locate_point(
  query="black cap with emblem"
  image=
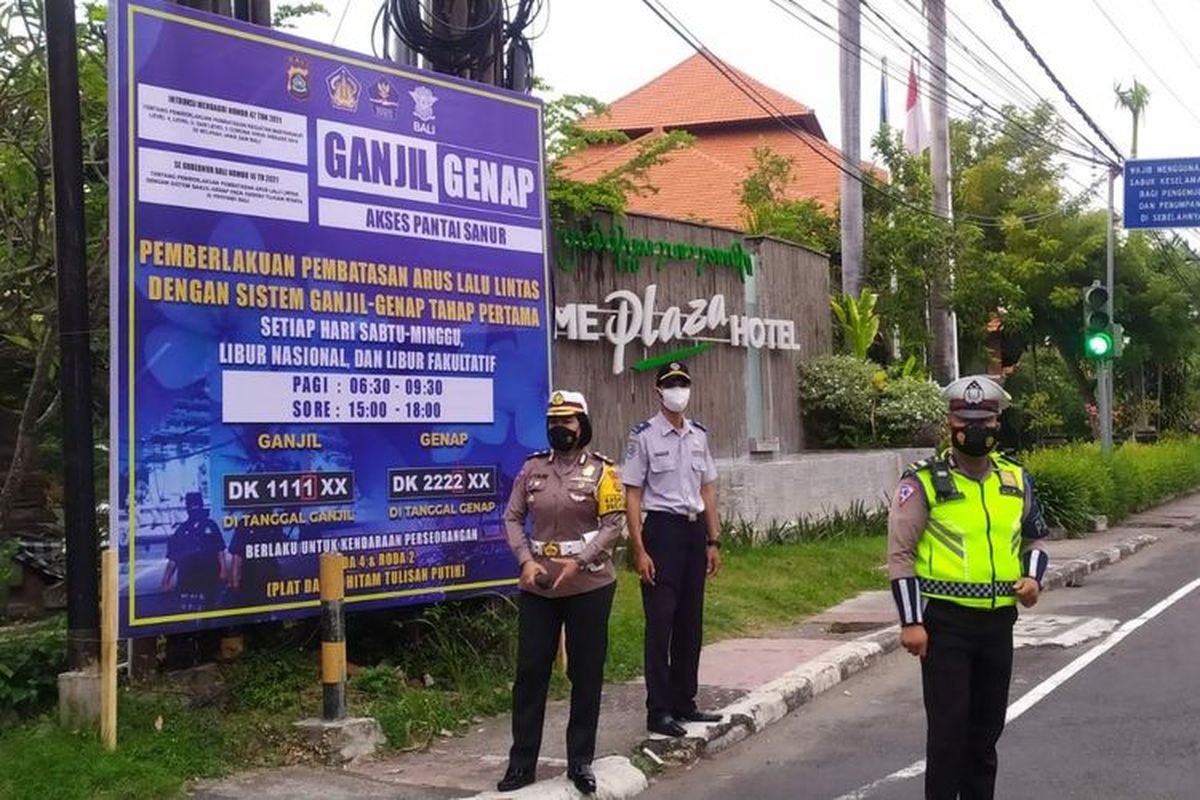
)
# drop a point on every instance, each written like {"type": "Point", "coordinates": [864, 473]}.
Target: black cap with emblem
{"type": "Point", "coordinates": [676, 372]}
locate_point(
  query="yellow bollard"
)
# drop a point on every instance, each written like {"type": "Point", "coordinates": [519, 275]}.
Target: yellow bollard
{"type": "Point", "coordinates": [333, 636]}
{"type": "Point", "coordinates": [108, 648]}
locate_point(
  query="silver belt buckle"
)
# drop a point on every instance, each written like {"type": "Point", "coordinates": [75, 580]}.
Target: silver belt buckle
{"type": "Point", "coordinates": [692, 516]}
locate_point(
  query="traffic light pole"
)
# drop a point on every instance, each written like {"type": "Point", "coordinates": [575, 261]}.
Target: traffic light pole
{"type": "Point", "coordinates": [1104, 375]}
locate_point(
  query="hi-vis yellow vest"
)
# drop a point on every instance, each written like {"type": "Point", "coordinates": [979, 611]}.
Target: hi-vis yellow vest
{"type": "Point", "coordinates": [970, 551]}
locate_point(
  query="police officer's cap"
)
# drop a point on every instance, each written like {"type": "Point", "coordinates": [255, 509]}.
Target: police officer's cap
{"type": "Point", "coordinates": [976, 397]}
{"type": "Point", "coordinates": [674, 369]}
{"type": "Point", "coordinates": [564, 403]}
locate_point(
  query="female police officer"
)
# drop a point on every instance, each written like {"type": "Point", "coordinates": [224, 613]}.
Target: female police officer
{"type": "Point", "coordinates": [567, 578]}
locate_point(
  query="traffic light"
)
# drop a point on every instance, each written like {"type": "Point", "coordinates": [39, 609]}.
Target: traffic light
{"type": "Point", "coordinates": [1097, 326]}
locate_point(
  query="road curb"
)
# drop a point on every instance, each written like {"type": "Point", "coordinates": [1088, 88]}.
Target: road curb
{"type": "Point", "coordinates": [773, 701]}
{"type": "Point", "coordinates": [1069, 573]}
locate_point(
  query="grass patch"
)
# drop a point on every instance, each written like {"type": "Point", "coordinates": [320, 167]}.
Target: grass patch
{"type": "Point", "coordinates": [758, 588]}
{"type": "Point", "coordinates": [431, 670]}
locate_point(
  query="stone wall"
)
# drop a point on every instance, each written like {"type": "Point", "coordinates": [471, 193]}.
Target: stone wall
{"type": "Point", "coordinates": [811, 484]}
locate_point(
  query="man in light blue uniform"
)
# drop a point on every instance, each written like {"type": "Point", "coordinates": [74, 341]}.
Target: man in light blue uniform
{"type": "Point", "coordinates": [669, 473]}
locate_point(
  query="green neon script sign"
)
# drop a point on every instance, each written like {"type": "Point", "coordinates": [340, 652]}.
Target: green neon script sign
{"type": "Point", "coordinates": [629, 253]}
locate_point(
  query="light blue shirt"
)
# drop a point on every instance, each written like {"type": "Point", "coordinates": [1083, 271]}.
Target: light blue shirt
{"type": "Point", "coordinates": [670, 465]}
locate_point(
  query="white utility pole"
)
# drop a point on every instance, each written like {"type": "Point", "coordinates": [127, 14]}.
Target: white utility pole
{"type": "Point", "coordinates": [943, 324]}
{"type": "Point", "coordinates": [849, 25]}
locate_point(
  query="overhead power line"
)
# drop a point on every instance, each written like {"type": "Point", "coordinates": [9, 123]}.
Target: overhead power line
{"type": "Point", "coordinates": [1054, 78]}
{"type": "Point", "coordinates": [739, 82]}
{"type": "Point", "coordinates": [1081, 156]}
{"type": "Point", "coordinates": [1175, 32]}
{"type": "Point", "coordinates": [1163, 81]}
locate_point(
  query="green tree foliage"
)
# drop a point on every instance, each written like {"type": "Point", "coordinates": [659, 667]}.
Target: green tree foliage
{"type": "Point", "coordinates": [566, 137]}
{"type": "Point", "coordinates": [1022, 247]}
{"type": "Point", "coordinates": [858, 321]}
{"type": "Point", "coordinates": [768, 211]}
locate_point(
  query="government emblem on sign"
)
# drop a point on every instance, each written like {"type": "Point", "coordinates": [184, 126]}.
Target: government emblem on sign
{"type": "Point", "coordinates": [423, 116]}
{"type": "Point", "coordinates": [383, 99]}
{"type": "Point", "coordinates": [297, 78]}
{"type": "Point", "coordinates": [344, 89]}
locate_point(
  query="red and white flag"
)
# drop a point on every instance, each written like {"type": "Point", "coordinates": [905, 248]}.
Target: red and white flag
{"type": "Point", "coordinates": [916, 132]}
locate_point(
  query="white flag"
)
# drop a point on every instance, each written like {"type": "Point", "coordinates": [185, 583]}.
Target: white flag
{"type": "Point", "coordinates": [916, 132]}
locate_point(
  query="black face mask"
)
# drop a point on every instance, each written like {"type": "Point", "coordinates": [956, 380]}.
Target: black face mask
{"type": "Point", "coordinates": [562, 439]}
{"type": "Point", "coordinates": [973, 440]}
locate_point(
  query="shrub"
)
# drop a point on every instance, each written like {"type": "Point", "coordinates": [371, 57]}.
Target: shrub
{"type": "Point", "coordinates": [910, 412]}
{"type": "Point", "coordinates": [31, 656]}
{"type": "Point", "coordinates": [837, 396]}
{"type": "Point", "coordinates": [1076, 482]}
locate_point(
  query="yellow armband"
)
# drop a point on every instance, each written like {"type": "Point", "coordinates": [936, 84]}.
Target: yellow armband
{"type": "Point", "coordinates": [610, 492]}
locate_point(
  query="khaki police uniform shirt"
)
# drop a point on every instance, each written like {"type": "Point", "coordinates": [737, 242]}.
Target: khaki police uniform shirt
{"type": "Point", "coordinates": [568, 497]}
{"type": "Point", "coordinates": [908, 515]}
{"type": "Point", "coordinates": [670, 464]}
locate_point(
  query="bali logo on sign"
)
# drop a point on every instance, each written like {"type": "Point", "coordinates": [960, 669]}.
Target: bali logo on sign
{"type": "Point", "coordinates": [423, 116]}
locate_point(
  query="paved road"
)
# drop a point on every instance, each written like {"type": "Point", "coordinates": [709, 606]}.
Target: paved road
{"type": "Point", "coordinates": [1126, 725]}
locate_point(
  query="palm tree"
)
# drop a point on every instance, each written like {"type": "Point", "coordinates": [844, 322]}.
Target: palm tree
{"type": "Point", "coordinates": [1135, 98]}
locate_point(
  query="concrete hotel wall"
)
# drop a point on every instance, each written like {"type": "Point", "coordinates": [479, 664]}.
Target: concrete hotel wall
{"type": "Point", "coordinates": [809, 484]}
{"type": "Point", "coordinates": [792, 282]}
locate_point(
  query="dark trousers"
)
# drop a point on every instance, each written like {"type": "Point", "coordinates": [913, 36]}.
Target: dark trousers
{"type": "Point", "coordinates": [965, 674]}
{"type": "Point", "coordinates": [541, 619]}
{"type": "Point", "coordinates": [674, 608]}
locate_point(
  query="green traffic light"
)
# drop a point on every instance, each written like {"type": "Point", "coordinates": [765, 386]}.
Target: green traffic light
{"type": "Point", "coordinates": [1098, 345]}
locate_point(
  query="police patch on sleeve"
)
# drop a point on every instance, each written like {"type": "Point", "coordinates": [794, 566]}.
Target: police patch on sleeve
{"type": "Point", "coordinates": [631, 448]}
{"type": "Point", "coordinates": [906, 492]}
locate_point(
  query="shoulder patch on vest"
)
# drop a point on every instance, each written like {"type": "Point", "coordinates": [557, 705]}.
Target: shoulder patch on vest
{"type": "Point", "coordinates": [641, 426]}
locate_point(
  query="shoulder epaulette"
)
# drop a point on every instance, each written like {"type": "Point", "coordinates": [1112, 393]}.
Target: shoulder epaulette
{"type": "Point", "coordinates": [641, 426]}
{"type": "Point", "coordinates": [538, 454]}
{"type": "Point", "coordinates": [1010, 460]}
{"type": "Point", "coordinates": [603, 458]}
{"type": "Point", "coordinates": [915, 467]}
{"type": "Point", "coordinates": [698, 425]}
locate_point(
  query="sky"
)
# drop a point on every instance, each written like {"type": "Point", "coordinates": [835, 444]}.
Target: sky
{"type": "Point", "coordinates": [607, 49]}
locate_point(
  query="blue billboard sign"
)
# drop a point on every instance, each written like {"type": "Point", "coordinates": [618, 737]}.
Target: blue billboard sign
{"type": "Point", "coordinates": [330, 328]}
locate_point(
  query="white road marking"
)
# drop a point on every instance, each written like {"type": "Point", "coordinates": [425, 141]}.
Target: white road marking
{"type": "Point", "coordinates": [1043, 689]}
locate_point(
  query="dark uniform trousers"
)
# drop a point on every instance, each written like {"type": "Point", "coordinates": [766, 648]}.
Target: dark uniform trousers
{"type": "Point", "coordinates": [965, 674]}
{"type": "Point", "coordinates": [674, 609]}
{"type": "Point", "coordinates": [541, 618]}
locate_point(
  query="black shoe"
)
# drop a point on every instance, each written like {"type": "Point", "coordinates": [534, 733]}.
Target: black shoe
{"type": "Point", "coordinates": [516, 778]}
{"type": "Point", "coordinates": [698, 716]}
{"type": "Point", "coordinates": [665, 724]}
{"type": "Point", "coordinates": [582, 776]}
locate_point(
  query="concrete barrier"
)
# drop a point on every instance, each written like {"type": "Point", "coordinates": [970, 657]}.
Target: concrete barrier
{"type": "Point", "coordinates": [812, 484]}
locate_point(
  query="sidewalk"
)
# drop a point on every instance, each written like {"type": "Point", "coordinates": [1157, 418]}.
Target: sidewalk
{"type": "Point", "coordinates": [753, 681]}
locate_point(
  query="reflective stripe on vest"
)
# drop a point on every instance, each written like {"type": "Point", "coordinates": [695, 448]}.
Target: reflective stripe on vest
{"type": "Point", "coordinates": [970, 550]}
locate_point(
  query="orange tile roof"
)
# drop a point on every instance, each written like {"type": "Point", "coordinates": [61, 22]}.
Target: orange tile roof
{"type": "Point", "coordinates": [694, 93]}
{"type": "Point", "coordinates": [704, 182]}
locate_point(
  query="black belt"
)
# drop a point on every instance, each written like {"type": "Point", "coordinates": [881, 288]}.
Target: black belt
{"type": "Point", "coordinates": [691, 516]}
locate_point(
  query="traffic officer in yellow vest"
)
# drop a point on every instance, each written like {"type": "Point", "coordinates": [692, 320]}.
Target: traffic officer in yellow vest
{"type": "Point", "coordinates": [964, 547]}
{"type": "Point", "coordinates": [577, 503]}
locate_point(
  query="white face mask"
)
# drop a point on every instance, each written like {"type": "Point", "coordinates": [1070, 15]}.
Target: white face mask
{"type": "Point", "coordinates": [676, 398]}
